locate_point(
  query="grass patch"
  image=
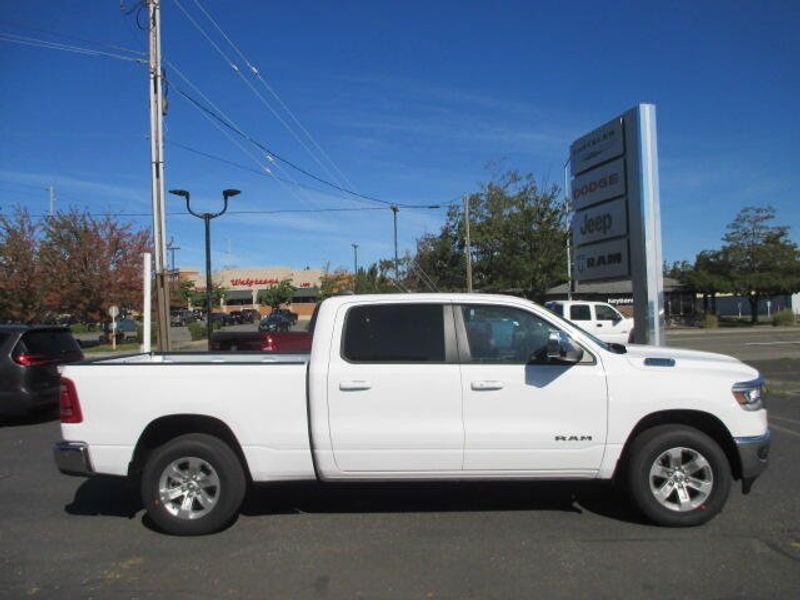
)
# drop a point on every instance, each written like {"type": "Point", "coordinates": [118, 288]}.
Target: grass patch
{"type": "Point", "coordinates": [130, 347]}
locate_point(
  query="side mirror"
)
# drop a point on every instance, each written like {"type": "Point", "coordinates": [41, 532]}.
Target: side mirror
{"type": "Point", "coordinates": [561, 349]}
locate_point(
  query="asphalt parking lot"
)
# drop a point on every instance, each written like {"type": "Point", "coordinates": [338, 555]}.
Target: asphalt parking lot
{"type": "Point", "coordinates": [68, 537]}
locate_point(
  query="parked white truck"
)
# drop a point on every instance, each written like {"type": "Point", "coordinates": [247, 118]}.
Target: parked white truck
{"type": "Point", "coordinates": [419, 387]}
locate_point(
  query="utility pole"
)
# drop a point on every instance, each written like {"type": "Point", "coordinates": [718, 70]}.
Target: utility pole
{"type": "Point", "coordinates": [157, 174]}
{"type": "Point", "coordinates": [355, 267]}
{"type": "Point", "coordinates": [173, 274]}
{"type": "Point", "coordinates": [395, 209]}
{"type": "Point", "coordinates": [468, 247]}
{"type": "Point", "coordinates": [568, 199]}
{"type": "Point", "coordinates": [52, 193]}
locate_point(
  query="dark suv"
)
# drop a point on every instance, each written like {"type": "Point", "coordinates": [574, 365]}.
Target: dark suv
{"type": "Point", "coordinates": [29, 359]}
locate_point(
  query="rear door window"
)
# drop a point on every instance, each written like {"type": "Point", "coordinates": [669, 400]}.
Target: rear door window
{"type": "Point", "coordinates": [580, 312]}
{"type": "Point", "coordinates": [395, 333]}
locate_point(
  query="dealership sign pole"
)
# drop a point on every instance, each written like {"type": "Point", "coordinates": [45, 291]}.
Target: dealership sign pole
{"type": "Point", "coordinates": [616, 227]}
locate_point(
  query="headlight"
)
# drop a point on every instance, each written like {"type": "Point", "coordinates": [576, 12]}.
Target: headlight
{"type": "Point", "coordinates": [750, 394]}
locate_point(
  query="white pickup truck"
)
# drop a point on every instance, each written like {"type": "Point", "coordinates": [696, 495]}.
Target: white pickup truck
{"type": "Point", "coordinates": [419, 387]}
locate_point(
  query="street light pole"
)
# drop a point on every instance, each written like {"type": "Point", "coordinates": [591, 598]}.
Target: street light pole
{"type": "Point", "coordinates": [355, 267]}
{"type": "Point", "coordinates": [207, 223]}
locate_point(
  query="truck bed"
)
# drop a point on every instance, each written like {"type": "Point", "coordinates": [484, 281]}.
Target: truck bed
{"type": "Point", "coordinates": [260, 398]}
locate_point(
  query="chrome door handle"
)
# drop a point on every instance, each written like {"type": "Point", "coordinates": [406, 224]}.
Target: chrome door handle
{"type": "Point", "coordinates": [354, 386]}
{"type": "Point", "coordinates": [482, 386]}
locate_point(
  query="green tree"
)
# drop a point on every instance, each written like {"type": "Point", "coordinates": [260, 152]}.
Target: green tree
{"type": "Point", "coordinates": [334, 282]}
{"type": "Point", "coordinates": [277, 294]}
{"type": "Point", "coordinates": [759, 258]}
{"type": "Point", "coordinates": [519, 234]}
{"type": "Point", "coordinates": [377, 279]}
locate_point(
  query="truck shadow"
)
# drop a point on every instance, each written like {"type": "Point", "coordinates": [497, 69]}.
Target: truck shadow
{"type": "Point", "coordinates": [113, 496]}
{"type": "Point", "coordinates": [107, 496]}
{"type": "Point", "coordinates": [408, 497]}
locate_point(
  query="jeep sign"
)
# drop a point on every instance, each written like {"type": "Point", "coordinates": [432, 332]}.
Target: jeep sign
{"type": "Point", "coordinates": [601, 222]}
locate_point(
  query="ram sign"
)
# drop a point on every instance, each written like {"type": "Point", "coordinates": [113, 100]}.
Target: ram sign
{"type": "Point", "coordinates": [616, 227]}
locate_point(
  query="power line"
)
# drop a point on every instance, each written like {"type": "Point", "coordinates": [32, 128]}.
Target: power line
{"type": "Point", "coordinates": [252, 88]}
{"type": "Point", "coordinates": [277, 156]}
{"type": "Point", "coordinates": [255, 71]}
{"type": "Point", "coordinates": [66, 36]}
{"type": "Point", "coordinates": [229, 135]}
{"type": "Point", "coordinates": [29, 41]}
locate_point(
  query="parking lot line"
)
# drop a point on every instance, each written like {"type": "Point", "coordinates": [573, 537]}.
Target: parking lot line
{"type": "Point", "coordinates": [781, 343]}
{"type": "Point", "coordinates": [785, 430]}
{"type": "Point", "coordinates": [787, 419]}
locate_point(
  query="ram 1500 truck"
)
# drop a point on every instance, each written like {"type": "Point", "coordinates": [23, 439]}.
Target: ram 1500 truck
{"type": "Point", "coordinates": [419, 387]}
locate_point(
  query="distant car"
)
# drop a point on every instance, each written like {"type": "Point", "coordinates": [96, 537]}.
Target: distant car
{"type": "Point", "coordinates": [224, 319]}
{"type": "Point", "coordinates": [275, 322]}
{"type": "Point", "coordinates": [29, 359]}
{"type": "Point", "coordinates": [297, 342]}
{"type": "Point", "coordinates": [598, 318]}
{"type": "Point", "coordinates": [181, 317]}
{"type": "Point", "coordinates": [291, 316]}
{"type": "Point", "coordinates": [250, 315]}
{"type": "Point", "coordinates": [127, 331]}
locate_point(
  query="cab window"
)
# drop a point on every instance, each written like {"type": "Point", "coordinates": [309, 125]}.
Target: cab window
{"type": "Point", "coordinates": [580, 312]}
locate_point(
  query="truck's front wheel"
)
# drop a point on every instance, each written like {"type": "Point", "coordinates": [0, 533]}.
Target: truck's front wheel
{"type": "Point", "coordinates": [193, 485]}
{"type": "Point", "coordinates": [678, 476]}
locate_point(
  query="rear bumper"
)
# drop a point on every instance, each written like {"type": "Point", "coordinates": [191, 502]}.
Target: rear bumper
{"type": "Point", "coordinates": [72, 458]}
{"type": "Point", "coordinates": [753, 456]}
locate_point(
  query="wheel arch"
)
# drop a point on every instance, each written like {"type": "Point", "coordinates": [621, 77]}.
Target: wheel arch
{"type": "Point", "coordinates": [709, 424]}
{"type": "Point", "coordinates": [165, 428]}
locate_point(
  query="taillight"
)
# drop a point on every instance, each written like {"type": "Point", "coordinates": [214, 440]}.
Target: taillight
{"type": "Point", "coordinates": [268, 345]}
{"type": "Point", "coordinates": [32, 360]}
{"type": "Point", "coordinates": [69, 407]}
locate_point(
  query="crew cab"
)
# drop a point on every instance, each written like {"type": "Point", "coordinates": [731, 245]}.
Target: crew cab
{"type": "Point", "coordinates": [599, 318]}
{"type": "Point", "coordinates": [419, 387]}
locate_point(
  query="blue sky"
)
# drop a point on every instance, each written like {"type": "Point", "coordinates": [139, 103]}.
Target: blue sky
{"type": "Point", "coordinates": [411, 100]}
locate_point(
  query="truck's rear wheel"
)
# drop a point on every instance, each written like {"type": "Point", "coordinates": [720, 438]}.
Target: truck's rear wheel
{"type": "Point", "coordinates": [193, 485]}
{"type": "Point", "coordinates": [678, 476]}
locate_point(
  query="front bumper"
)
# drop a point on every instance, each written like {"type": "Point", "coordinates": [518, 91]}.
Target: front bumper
{"type": "Point", "coordinates": [72, 458]}
{"type": "Point", "coordinates": [753, 456]}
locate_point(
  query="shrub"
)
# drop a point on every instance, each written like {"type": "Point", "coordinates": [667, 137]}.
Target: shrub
{"type": "Point", "coordinates": [710, 321]}
{"type": "Point", "coordinates": [783, 317]}
{"type": "Point", "coordinates": [197, 331]}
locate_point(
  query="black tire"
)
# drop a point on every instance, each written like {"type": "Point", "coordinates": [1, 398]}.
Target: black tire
{"type": "Point", "coordinates": [689, 497]}
{"type": "Point", "coordinates": [220, 463]}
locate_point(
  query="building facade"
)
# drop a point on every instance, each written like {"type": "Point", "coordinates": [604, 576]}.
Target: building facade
{"type": "Point", "coordinates": [242, 286]}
